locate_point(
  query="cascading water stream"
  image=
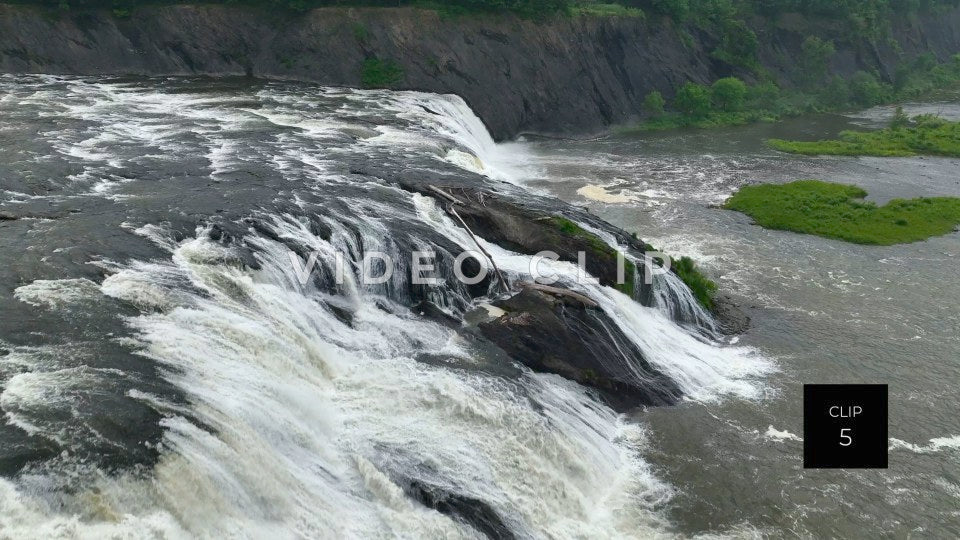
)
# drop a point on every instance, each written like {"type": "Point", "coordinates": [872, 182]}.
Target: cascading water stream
{"type": "Point", "coordinates": [320, 409]}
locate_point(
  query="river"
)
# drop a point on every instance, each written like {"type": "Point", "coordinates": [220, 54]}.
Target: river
{"type": "Point", "coordinates": [826, 311]}
{"type": "Point", "coordinates": [164, 373]}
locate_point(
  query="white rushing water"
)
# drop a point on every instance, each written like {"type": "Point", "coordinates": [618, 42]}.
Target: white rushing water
{"type": "Point", "coordinates": [297, 424]}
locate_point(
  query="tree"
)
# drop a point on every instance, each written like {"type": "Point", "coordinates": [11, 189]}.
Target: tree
{"type": "Point", "coordinates": [866, 90]}
{"type": "Point", "coordinates": [677, 10]}
{"type": "Point", "coordinates": [765, 96]}
{"type": "Point", "coordinates": [729, 94]}
{"type": "Point", "coordinates": [739, 44]}
{"type": "Point", "coordinates": [836, 93]}
{"type": "Point", "coordinates": [815, 55]}
{"type": "Point", "coordinates": [654, 103]}
{"type": "Point", "coordinates": [692, 100]}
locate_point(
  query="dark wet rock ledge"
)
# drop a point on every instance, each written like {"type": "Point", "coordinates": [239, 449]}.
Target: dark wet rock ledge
{"type": "Point", "coordinates": [556, 334]}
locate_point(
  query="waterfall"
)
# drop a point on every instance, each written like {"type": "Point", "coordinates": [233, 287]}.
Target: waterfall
{"type": "Point", "coordinates": [323, 408]}
{"type": "Point", "coordinates": [702, 368]}
{"type": "Point", "coordinates": [675, 299]}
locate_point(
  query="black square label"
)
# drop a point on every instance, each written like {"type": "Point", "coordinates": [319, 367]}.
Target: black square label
{"type": "Point", "coordinates": [845, 426]}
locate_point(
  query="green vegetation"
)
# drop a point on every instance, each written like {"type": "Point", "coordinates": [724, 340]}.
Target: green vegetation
{"type": "Point", "coordinates": [600, 248]}
{"type": "Point", "coordinates": [835, 211]}
{"type": "Point", "coordinates": [606, 10]}
{"type": "Point", "coordinates": [730, 101]}
{"type": "Point", "coordinates": [692, 100]}
{"type": "Point", "coordinates": [738, 45]}
{"type": "Point", "coordinates": [377, 73]}
{"type": "Point", "coordinates": [360, 32]}
{"type": "Point", "coordinates": [685, 268]}
{"type": "Point", "coordinates": [523, 8]}
{"type": "Point", "coordinates": [567, 226]}
{"type": "Point", "coordinates": [815, 55]}
{"type": "Point", "coordinates": [928, 135]}
{"type": "Point", "coordinates": [702, 288]}
{"type": "Point", "coordinates": [725, 18]}
{"type": "Point", "coordinates": [653, 103]}
{"type": "Point", "coordinates": [728, 94]}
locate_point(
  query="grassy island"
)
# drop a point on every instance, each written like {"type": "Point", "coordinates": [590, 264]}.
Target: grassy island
{"type": "Point", "coordinates": [838, 211]}
{"type": "Point", "coordinates": [924, 135]}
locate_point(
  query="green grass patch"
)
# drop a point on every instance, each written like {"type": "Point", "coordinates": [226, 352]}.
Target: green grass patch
{"type": "Point", "coordinates": [377, 73]}
{"type": "Point", "coordinates": [570, 228]}
{"type": "Point", "coordinates": [702, 287]}
{"type": "Point", "coordinates": [837, 211]}
{"type": "Point", "coordinates": [927, 136]}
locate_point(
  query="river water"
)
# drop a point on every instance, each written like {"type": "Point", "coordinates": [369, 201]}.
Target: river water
{"type": "Point", "coordinates": [826, 311]}
{"type": "Point", "coordinates": [164, 373]}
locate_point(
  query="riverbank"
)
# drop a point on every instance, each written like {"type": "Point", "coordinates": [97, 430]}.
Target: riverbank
{"type": "Point", "coordinates": [559, 76]}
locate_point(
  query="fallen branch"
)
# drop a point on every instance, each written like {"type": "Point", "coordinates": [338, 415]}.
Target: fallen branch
{"type": "Point", "coordinates": [556, 291]}
{"type": "Point", "coordinates": [503, 282]}
{"type": "Point", "coordinates": [445, 195]}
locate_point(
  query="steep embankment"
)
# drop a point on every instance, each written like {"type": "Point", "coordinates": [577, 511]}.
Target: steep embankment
{"type": "Point", "coordinates": [568, 75]}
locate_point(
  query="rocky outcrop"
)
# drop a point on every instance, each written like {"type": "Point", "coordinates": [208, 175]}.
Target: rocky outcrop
{"type": "Point", "coordinates": [731, 319]}
{"type": "Point", "coordinates": [567, 75]}
{"type": "Point", "coordinates": [475, 512]}
{"type": "Point", "coordinates": [532, 230]}
{"type": "Point", "coordinates": [552, 329]}
{"type": "Point", "coordinates": [557, 334]}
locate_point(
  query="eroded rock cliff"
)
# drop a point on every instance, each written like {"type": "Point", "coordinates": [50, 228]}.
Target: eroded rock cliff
{"type": "Point", "coordinates": [562, 76]}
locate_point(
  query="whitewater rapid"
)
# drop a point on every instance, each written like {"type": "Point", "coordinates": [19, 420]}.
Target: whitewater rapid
{"type": "Point", "coordinates": [304, 411]}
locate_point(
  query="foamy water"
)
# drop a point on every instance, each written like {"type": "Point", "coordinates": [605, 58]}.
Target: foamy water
{"type": "Point", "coordinates": [289, 418]}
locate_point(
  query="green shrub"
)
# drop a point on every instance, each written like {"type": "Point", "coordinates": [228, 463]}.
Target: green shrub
{"type": "Point", "coordinates": [764, 96]}
{"type": "Point", "coordinates": [702, 288]}
{"type": "Point", "coordinates": [677, 10]}
{"type": "Point", "coordinates": [866, 90]}
{"type": "Point", "coordinates": [653, 103]}
{"type": "Point", "coordinates": [377, 73]}
{"type": "Point", "coordinates": [900, 119]}
{"type": "Point", "coordinates": [739, 45]}
{"type": "Point", "coordinates": [692, 100]}
{"type": "Point", "coordinates": [360, 32]}
{"type": "Point", "coordinates": [836, 93]}
{"type": "Point", "coordinates": [729, 94]}
{"type": "Point", "coordinates": [815, 55]}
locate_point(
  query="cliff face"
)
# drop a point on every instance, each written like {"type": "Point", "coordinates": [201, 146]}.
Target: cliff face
{"type": "Point", "coordinates": [570, 75]}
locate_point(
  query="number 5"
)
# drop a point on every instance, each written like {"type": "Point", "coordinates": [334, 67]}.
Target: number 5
{"type": "Point", "coordinates": [843, 435]}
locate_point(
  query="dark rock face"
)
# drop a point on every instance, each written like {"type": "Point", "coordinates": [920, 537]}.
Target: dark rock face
{"type": "Point", "coordinates": [562, 336]}
{"type": "Point", "coordinates": [478, 514]}
{"type": "Point", "coordinates": [730, 318]}
{"type": "Point", "coordinates": [567, 75]}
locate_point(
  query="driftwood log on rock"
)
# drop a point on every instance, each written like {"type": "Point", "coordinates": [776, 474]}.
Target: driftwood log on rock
{"type": "Point", "coordinates": [561, 293]}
